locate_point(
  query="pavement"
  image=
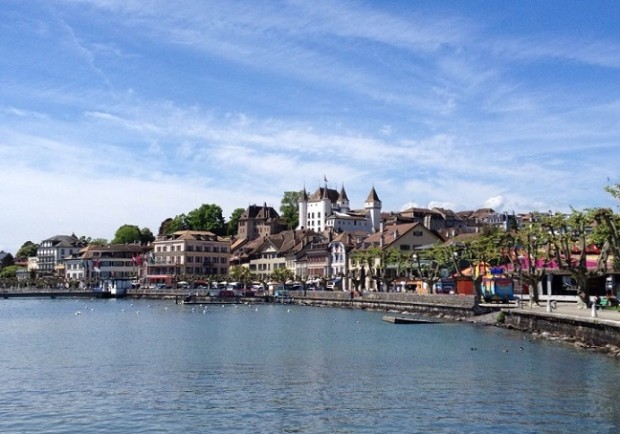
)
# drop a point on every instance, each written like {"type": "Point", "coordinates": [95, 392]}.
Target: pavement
{"type": "Point", "coordinates": [570, 310]}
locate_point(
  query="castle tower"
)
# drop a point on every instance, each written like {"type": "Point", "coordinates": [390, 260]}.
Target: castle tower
{"type": "Point", "coordinates": [303, 210]}
{"type": "Point", "coordinates": [343, 200]}
{"type": "Point", "coordinates": [373, 206]}
{"type": "Point", "coordinates": [324, 209]}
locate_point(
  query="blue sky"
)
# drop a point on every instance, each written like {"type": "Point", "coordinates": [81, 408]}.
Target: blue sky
{"type": "Point", "coordinates": [120, 112]}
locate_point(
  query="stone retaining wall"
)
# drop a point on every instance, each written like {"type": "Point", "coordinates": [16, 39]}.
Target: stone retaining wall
{"type": "Point", "coordinates": [434, 305]}
{"type": "Point", "coordinates": [590, 331]}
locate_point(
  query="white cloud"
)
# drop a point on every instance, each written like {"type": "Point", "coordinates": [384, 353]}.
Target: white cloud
{"type": "Point", "coordinates": [496, 202]}
{"type": "Point", "coordinates": [234, 103]}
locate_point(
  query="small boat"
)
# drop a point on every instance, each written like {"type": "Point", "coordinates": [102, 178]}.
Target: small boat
{"type": "Point", "coordinates": [407, 320]}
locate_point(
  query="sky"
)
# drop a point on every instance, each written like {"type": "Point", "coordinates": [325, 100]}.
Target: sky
{"type": "Point", "coordinates": [118, 112]}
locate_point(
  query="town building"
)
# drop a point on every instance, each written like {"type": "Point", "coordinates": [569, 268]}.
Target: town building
{"type": "Point", "coordinates": [187, 254]}
{"type": "Point", "coordinates": [95, 263]}
{"type": "Point", "coordinates": [340, 250]}
{"type": "Point", "coordinates": [259, 221]}
{"type": "Point", "coordinates": [329, 209]}
{"type": "Point", "coordinates": [404, 238]}
{"type": "Point", "coordinates": [52, 252]}
{"type": "Point", "coordinates": [282, 250]}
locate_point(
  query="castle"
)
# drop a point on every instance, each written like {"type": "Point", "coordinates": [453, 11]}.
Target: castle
{"type": "Point", "coordinates": [328, 209]}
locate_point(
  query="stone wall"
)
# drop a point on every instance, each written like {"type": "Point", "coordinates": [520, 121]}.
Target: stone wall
{"type": "Point", "coordinates": [435, 305]}
{"type": "Point", "coordinates": [590, 331]}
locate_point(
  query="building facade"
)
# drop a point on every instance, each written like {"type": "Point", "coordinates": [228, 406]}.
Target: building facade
{"type": "Point", "coordinates": [259, 221]}
{"type": "Point", "coordinates": [53, 251]}
{"type": "Point", "coordinates": [330, 209]}
{"type": "Point", "coordinates": [188, 253]}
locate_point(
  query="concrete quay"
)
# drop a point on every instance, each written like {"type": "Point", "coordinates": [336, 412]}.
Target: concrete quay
{"type": "Point", "coordinates": [565, 322]}
{"type": "Point", "coordinates": [586, 327]}
{"type": "Point", "coordinates": [436, 305]}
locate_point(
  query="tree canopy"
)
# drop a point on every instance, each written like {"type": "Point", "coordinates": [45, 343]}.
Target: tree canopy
{"type": "Point", "coordinates": [129, 234]}
{"type": "Point", "coordinates": [289, 209]}
{"type": "Point", "coordinates": [27, 250]}
{"type": "Point", "coordinates": [207, 217]}
{"type": "Point", "coordinates": [233, 223]}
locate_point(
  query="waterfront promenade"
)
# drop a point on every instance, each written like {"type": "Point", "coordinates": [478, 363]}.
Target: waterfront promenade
{"type": "Point", "coordinates": [568, 322]}
{"type": "Point", "coordinates": [570, 310]}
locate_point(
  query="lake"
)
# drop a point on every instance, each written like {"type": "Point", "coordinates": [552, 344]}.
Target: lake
{"type": "Point", "coordinates": [138, 366]}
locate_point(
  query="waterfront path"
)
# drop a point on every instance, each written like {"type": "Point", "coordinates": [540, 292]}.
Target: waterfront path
{"type": "Point", "coordinates": [569, 310]}
{"type": "Point", "coordinates": [568, 322]}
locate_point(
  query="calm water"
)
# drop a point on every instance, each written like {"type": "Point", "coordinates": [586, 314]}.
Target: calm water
{"type": "Point", "coordinates": [127, 366]}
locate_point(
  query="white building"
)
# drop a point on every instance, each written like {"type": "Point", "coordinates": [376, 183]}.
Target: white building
{"type": "Point", "coordinates": [330, 209]}
{"type": "Point", "coordinates": [52, 253]}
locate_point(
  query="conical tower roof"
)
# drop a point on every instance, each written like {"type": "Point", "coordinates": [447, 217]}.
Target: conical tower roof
{"type": "Point", "coordinates": [372, 196]}
{"type": "Point", "coordinates": [342, 197]}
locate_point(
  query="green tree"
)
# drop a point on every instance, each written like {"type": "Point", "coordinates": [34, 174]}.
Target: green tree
{"type": "Point", "coordinates": [146, 236]}
{"type": "Point", "coordinates": [164, 227]}
{"type": "Point", "coordinates": [98, 242]}
{"type": "Point", "coordinates": [127, 234]}
{"type": "Point", "coordinates": [179, 223]}
{"type": "Point", "coordinates": [289, 209]}
{"type": "Point", "coordinates": [7, 261]}
{"type": "Point", "coordinates": [233, 222]}
{"type": "Point", "coordinates": [479, 252]}
{"type": "Point", "coordinates": [27, 250]}
{"type": "Point", "coordinates": [525, 249]}
{"type": "Point", "coordinates": [568, 237]}
{"type": "Point", "coordinates": [282, 275]}
{"type": "Point", "coordinates": [8, 272]}
{"type": "Point", "coordinates": [427, 264]}
{"type": "Point", "coordinates": [363, 263]}
{"type": "Point", "coordinates": [207, 217]}
{"type": "Point", "coordinates": [241, 274]}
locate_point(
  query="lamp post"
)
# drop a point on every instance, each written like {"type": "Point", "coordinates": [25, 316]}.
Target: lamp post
{"type": "Point", "coordinates": [549, 279]}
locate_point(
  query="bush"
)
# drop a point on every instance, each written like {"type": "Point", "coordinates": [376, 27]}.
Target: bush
{"type": "Point", "coordinates": [501, 317]}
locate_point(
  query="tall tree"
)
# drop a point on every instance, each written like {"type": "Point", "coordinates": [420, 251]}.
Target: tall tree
{"type": "Point", "coordinates": [98, 242]}
{"type": "Point", "coordinates": [207, 217]}
{"type": "Point", "coordinates": [7, 261]}
{"type": "Point", "coordinates": [233, 222]}
{"type": "Point", "coordinates": [179, 223]}
{"type": "Point", "coordinates": [27, 250]}
{"type": "Point", "coordinates": [282, 275]}
{"type": "Point", "coordinates": [241, 274]}
{"type": "Point", "coordinates": [289, 209]}
{"type": "Point", "coordinates": [127, 234]}
{"type": "Point", "coordinates": [146, 236]}
{"type": "Point", "coordinates": [569, 237]}
{"type": "Point", "coordinates": [164, 227]}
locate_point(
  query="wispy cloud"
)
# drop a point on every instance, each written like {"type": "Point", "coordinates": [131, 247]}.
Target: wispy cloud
{"type": "Point", "coordinates": [126, 111]}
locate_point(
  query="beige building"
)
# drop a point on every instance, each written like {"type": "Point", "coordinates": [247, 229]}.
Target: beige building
{"type": "Point", "coordinates": [188, 253]}
{"type": "Point", "coordinates": [404, 238]}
